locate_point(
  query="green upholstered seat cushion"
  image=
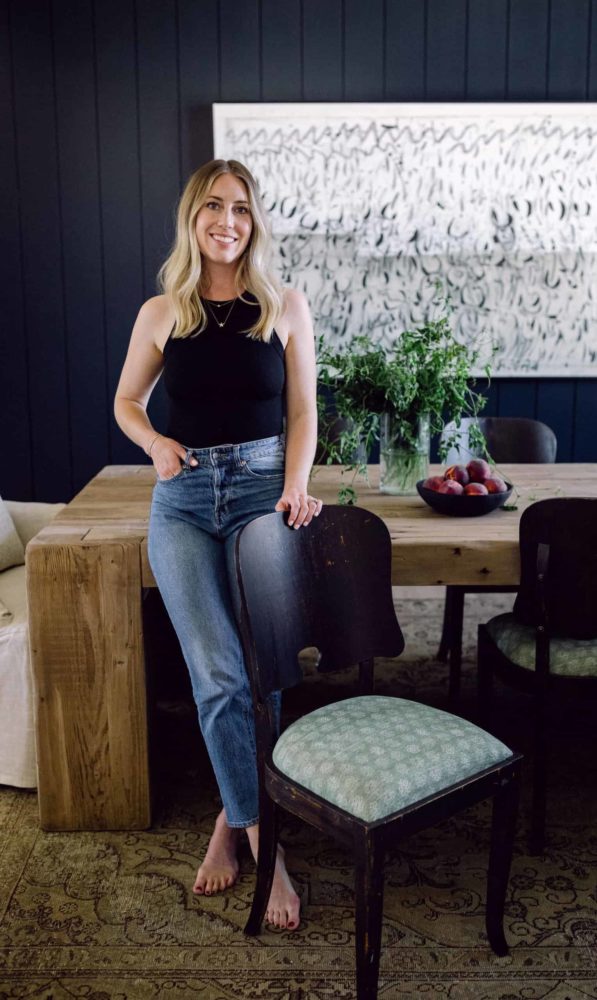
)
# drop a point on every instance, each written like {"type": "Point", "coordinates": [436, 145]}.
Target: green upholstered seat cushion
{"type": "Point", "coordinates": [373, 755]}
{"type": "Point", "coordinates": [567, 657]}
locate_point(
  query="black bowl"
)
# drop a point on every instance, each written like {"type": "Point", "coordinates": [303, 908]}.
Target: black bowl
{"type": "Point", "coordinates": [460, 505]}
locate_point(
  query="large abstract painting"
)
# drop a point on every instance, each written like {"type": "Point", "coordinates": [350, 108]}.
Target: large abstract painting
{"type": "Point", "coordinates": [371, 203]}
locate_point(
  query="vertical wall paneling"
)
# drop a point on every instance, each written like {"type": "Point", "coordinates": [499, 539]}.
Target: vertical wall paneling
{"type": "Point", "coordinates": [322, 50]}
{"type": "Point", "coordinates": [446, 50]}
{"type": "Point", "coordinates": [405, 50]}
{"type": "Point", "coordinates": [363, 50]}
{"type": "Point", "coordinates": [567, 66]}
{"type": "Point", "coordinates": [17, 479]}
{"type": "Point", "coordinates": [157, 53]}
{"type": "Point", "coordinates": [281, 54]}
{"type": "Point", "coordinates": [527, 50]}
{"type": "Point", "coordinates": [486, 49]}
{"type": "Point", "coordinates": [198, 79]}
{"type": "Point", "coordinates": [81, 236]}
{"type": "Point", "coordinates": [491, 393]}
{"type": "Point", "coordinates": [555, 407]}
{"type": "Point", "coordinates": [240, 50]}
{"type": "Point", "coordinates": [517, 397]}
{"type": "Point", "coordinates": [42, 251]}
{"type": "Point", "coordinates": [105, 109]}
{"type": "Point", "coordinates": [116, 63]}
{"type": "Point", "coordinates": [585, 422]}
{"type": "Point", "coordinates": [158, 116]}
{"type": "Point", "coordinates": [592, 53]}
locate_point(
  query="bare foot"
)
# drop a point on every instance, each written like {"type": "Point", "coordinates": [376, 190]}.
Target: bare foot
{"type": "Point", "coordinates": [283, 908]}
{"type": "Point", "coordinates": [219, 869]}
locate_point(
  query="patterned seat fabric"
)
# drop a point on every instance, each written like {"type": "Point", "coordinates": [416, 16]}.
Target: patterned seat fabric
{"type": "Point", "coordinates": [567, 657]}
{"type": "Point", "coordinates": [373, 755]}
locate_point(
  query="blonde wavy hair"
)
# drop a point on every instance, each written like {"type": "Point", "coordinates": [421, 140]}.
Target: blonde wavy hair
{"type": "Point", "coordinates": [182, 276]}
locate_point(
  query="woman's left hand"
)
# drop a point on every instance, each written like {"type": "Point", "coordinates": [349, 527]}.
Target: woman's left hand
{"type": "Point", "coordinates": [303, 507]}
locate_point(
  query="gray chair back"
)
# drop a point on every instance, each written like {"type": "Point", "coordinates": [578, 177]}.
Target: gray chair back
{"type": "Point", "coordinates": [509, 439]}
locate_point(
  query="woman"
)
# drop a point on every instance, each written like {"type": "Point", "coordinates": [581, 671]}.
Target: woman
{"type": "Point", "coordinates": [232, 345]}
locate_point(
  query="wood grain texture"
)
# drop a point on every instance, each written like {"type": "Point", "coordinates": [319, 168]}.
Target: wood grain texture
{"type": "Point", "coordinates": [86, 572]}
{"type": "Point", "coordinates": [88, 662]}
{"type": "Point", "coordinates": [429, 548]}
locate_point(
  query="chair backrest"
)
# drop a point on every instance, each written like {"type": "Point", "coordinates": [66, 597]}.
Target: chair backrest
{"type": "Point", "coordinates": [327, 585]}
{"type": "Point", "coordinates": [568, 525]}
{"type": "Point", "coordinates": [509, 439]}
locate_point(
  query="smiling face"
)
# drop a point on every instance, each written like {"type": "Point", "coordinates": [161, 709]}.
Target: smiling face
{"type": "Point", "coordinates": [224, 222]}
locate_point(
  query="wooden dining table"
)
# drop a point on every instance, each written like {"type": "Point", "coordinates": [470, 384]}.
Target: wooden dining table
{"type": "Point", "coordinates": [88, 572]}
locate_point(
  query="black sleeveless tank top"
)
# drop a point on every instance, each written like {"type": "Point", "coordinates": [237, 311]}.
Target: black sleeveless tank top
{"type": "Point", "coordinates": [222, 386]}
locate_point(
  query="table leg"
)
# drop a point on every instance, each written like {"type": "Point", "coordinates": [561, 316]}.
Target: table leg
{"type": "Point", "coordinates": [87, 658]}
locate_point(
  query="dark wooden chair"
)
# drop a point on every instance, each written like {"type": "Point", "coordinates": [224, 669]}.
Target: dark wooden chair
{"type": "Point", "coordinates": [509, 439]}
{"type": "Point", "coordinates": [548, 645]}
{"type": "Point", "coordinates": [367, 770]}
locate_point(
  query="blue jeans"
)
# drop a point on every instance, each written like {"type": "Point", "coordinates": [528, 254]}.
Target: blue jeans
{"type": "Point", "coordinates": [195, 517]}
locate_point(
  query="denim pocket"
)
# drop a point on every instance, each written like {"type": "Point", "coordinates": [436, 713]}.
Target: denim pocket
{"type": "Point", "coordinates": [269, 465]}
{"type": "Point", "coordinates": [178, 475]}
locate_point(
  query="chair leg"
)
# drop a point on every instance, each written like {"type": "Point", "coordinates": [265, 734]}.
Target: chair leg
{"type": "Point", "coordinates": [457, 612]}
{"type": "Point", "coordinates": [537, 834]}
{"type": "Point", "coordinates": [369, 877]}
{"type": "Point", "coordinates": [366, 677]}
{"type": "Point", "coordinates": [446, 639]}
{"type": "Point", "coordinates": [484, 680]}
{"type": "Point", "coordinates": [266, 862]}
{"type": "Point", "coordinates": [503, 826]}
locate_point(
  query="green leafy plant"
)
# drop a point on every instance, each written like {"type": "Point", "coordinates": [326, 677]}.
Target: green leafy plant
{"type": "Point", "coordinates": [425, 372]}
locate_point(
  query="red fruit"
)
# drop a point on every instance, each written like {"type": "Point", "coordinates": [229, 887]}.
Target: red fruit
{"type": "Point", "coordinates": [433, 483]}
{"type": "Point", "coordinates": [450, 486]}
{"type": "Point", "coordinates": [495, 485]}
{"type": "Point", "coordinates": [475, 490]}
{"type": "Point", "coordinates": [457, 472]}
{"type": "Point", "coordinates": [478, 470]}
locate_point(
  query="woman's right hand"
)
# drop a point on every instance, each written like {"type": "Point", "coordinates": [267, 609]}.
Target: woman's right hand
{"type": "Point", "coordinates": [167, 456]}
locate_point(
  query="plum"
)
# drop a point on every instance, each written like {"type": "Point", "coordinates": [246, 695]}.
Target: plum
{"type": "Point", "coordinates": [450, 486]}
{"type": "Point", "coordinates": [458, 473]}
{"type": "Point", "coordinates": [478, 470]}
{"type": "Point", "coordinates": [475, 490]}
{"type": "Point", "coordinates": [433, 483]}
{"type": "Point", "coordinates": [495, 485]}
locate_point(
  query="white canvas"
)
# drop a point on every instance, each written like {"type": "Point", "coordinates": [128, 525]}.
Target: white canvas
{"type": "Point", "coordinates": [371, 202]}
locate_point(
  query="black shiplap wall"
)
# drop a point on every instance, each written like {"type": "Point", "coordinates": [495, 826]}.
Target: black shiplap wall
{"type": "Point", "coordinates": [104, 110]}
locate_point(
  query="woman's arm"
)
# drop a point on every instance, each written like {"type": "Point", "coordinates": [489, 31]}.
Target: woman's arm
{"type": "Point", "coordinates": [141, 371]}
{"type": "Point", "coordinates": [301, 411]}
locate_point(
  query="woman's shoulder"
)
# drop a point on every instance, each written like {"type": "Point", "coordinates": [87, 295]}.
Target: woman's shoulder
{"type": "Point", "coordinates": [294, 300]}
{"type": "Point", "coordinates": [157, 318]}
{"type": "Point", "coordinates": [296, 317]}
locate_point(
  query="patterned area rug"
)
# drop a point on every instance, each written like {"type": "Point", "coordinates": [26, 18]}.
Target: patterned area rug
{"type": "Point", "coordinates": [112, 915]}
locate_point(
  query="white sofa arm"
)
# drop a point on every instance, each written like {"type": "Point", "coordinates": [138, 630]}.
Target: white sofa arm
{"type": "Point", "coordinates": [30, 517]}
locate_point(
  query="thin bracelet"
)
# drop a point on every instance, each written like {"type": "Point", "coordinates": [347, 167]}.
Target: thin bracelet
{"type": "Point", "coordinates": [148, 452]}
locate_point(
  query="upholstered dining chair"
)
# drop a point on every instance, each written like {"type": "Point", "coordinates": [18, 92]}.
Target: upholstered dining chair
{"type": "Point", "coordinates": [368, 770]}
{"type": "Point", "coordinates": [547, 646]}
{"type": "Point", "coordinates": [508, 439]}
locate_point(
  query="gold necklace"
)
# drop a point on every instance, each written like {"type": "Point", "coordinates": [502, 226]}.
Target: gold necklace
{"type": "Point", "coordinates": [223, 323]}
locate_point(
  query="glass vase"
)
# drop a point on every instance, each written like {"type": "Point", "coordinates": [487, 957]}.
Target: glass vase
{"type": "Point", "coordinates": [401, 463]}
